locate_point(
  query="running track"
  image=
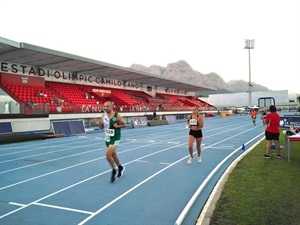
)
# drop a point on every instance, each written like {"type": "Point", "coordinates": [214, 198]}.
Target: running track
{"type": "Point", "coordinates": [66, 181]}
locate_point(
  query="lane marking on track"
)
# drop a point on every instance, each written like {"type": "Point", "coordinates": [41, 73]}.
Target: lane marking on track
{"type": "Point", "coordinates": [142, 161]}
{"type": "Point", "coordinates": [218, 147]}
{"type": "Point", "coordinates": [164, 163]}
{"type": "Point", "coordinates": [17, 204]}
{"type": "Point", "coordinates": [173, 142]}
{"type": "Point", "coordinates": [63, 208]}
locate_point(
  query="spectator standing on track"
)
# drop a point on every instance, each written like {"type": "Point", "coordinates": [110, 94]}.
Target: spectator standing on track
{"type": "Point", "coordinates": [253, 114]}
{"type": "Point", "coordinates": [195, 124]}
{"type": "Point", "coordinates": [272, 131]}
{"type": "Point", "coordinates": [112, 122]}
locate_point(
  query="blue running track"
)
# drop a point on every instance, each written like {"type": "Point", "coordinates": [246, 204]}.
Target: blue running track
{"type": "Point", "coordinates": [66, 181]}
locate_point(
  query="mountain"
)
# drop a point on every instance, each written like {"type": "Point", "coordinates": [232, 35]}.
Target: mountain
{"type": "Point", "coordinates": [181, 70]}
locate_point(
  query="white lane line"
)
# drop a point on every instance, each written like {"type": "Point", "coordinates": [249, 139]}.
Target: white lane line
{"type": "Point", "coordinates": [143, 161]}
{"type": "Point", "coordinates": [164, 163]}
{"type": "Point", "coordinates": [222, 147]}
{"type": "Point", "coordinates": [63, 208]}
{"type": "Point", "coordinates": [17, 204]}
{"type": "Point", "coordinates": [173, 142]}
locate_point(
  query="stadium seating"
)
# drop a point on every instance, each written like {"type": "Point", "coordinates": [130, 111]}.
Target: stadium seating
{"type": "Point", "coordinates": [74, 98]}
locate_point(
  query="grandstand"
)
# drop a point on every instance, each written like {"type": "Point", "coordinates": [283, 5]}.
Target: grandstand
{"type": "Point", "coordinates": [38, 83]}
{"type": "Point", "coordinates": [56, 97]}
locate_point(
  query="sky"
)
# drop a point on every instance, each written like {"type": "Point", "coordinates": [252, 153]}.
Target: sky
{"type": "Point", "coordinates": [208, 34]}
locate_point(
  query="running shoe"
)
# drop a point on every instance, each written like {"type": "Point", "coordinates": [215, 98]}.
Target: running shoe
{"type": "Point", "coordinates": [266, 156]}
{"type": "Point", "coordinates": [121, 171]}
{"type": "Point", "coordinates": [278, 156]}
{"type": "Point", "coordinates": [199, 159]}
{"type": "Point", "coordinates": [190, 160]}
{"type": "Point", "coordinates": [113, 176]}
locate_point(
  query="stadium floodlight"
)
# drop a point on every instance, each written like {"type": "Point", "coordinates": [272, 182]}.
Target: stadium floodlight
{"type": "Point", "coordinates": [249, 44]}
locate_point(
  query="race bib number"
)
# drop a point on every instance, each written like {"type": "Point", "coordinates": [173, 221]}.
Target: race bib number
{"type": "Point", "coordinates": [110, 132]}
{"type": "Point", "coordinates": [193, 122]}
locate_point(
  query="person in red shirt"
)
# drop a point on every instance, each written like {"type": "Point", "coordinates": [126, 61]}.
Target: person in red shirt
{"type": "Point", "coordinates": [253, 115]}
{"type": "Point", "coordinates": [272, 131]}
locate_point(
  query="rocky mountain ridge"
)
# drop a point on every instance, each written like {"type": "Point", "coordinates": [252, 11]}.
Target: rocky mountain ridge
{"type": "Point", "coordinates": [181, 70]}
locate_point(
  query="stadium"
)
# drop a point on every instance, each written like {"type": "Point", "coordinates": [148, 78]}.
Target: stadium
{"type": "Point", "coordinates": [46, 94]}
{"type": "Point", "coordinates": [46, 86]}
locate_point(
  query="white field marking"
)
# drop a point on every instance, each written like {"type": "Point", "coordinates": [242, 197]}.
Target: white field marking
{"type": "Point", "coordinates": [144, 161]}
{"type": "Point", "coordinates": [15, 203]}
{"type": "Point", "coordinates": [222, 147]}
{"type": "Point", "coordinates": [150, 141]}
{"type": "Point", "coordinates": [98, 138]}
{"type": "Point", "coordinates": [155, 174]}
{"type": "Point", "coordinates": [63, 208]}
{"type": "Point", "coordinates": [164, 163]}
{"type": "Point", "coordinates": [196, 144]}
{"type": "Point", "coordinates": [173, 142]}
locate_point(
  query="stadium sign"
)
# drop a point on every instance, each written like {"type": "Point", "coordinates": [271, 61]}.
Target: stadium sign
{"type": "Point", "coordinates": [62, 76]}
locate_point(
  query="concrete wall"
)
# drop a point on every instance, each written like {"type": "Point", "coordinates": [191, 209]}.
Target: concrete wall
{"type": "Point", "coordinates": [27, 125]}
{"type": "Point", "coordinates": [44, 124]}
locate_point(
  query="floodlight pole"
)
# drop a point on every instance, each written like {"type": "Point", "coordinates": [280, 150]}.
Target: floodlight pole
{"type": "Point", "coordinates": [249, 44]}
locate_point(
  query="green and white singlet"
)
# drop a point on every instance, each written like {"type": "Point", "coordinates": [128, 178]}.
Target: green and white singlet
{"type": "Point", "coordinates": [112, 134]}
